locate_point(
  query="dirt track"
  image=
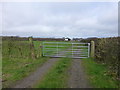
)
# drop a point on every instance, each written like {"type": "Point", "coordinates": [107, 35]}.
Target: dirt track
{"type": "Point", "coordinates": [29, 81]}
{"type": "Point", "coordinates": [77, 76]}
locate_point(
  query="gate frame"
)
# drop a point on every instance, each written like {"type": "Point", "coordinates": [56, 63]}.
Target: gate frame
{"type": "Point", "coordinates": [72, 43]}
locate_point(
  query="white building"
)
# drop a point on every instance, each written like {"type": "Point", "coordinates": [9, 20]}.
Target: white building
{"type": "Point", "coordinates": [67, 39]}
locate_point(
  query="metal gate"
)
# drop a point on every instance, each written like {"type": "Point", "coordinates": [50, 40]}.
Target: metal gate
{"type": "Point", "coordinates": [66, 49]}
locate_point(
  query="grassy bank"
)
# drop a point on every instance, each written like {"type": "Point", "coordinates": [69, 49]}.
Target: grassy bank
{"type": "Point", "coordinates": [16, 61]}
{"type": "Point", "coordinates": [97, 74]}
{"type": "Point", "coordinates": [57, 76]}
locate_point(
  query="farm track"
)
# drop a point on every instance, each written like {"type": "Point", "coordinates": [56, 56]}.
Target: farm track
{"type": "Point", "coordinates": [77, 78]}
{"type": "Point", "coordinates": [36, 76]}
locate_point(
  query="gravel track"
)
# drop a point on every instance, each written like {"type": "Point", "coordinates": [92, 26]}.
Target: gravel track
{"type": "Point", "coordinates": [77, 78]}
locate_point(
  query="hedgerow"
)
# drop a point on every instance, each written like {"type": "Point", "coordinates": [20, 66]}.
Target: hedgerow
{"type": "Point", "coordinates": [107, 52]}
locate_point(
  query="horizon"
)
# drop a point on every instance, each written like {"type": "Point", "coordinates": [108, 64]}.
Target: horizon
{"type": "Point", "coordinates": [57, 37]}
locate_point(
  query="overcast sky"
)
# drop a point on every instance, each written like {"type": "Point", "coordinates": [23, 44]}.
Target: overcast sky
{"type": "Point", "coordinates": [52, 19]}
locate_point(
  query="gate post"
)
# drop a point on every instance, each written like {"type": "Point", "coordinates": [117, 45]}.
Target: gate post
{"type": "Point", "coordinates": [92, 49]}
{"type": "Point", "coordinates": [41, 51]}
{"type": "Point", "coordinates": [33, 56]}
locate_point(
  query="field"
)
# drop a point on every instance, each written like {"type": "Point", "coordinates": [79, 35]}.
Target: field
{"type": "Point", "coordinates": [21, 59]}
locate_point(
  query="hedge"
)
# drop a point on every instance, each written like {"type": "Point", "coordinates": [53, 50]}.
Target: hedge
{"type": "Point", "coordinates": [107, 52]}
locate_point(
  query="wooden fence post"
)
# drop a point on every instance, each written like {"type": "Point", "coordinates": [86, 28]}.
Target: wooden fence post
{"type": "Point", "coordinates": [92, 49]}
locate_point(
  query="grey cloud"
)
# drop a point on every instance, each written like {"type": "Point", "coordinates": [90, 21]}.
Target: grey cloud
{"type": "Point", "coordinates": [60, 20]}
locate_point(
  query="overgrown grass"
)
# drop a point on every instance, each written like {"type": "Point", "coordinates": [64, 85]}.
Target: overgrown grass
{"type": "Point", "coordinates": [15, 49]}
{"type": "Point", "coordinates": [57, 76]}
{"type": "Point", "coordinates": [16, 63]}
{"type": "Point", "coordinates": [97, 74]}
{"type": "Point", "coordinates": [37, 44]}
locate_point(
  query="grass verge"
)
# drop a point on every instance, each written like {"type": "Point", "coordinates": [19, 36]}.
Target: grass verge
{"type": "Point", "coordinates": [96, 74]}
{"type": "Point", "coordinates": [16, 64]}
{"type": "Point", "coordinates": [57, 76]}
{"type": "Point", "coordinates": [15, 69]}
